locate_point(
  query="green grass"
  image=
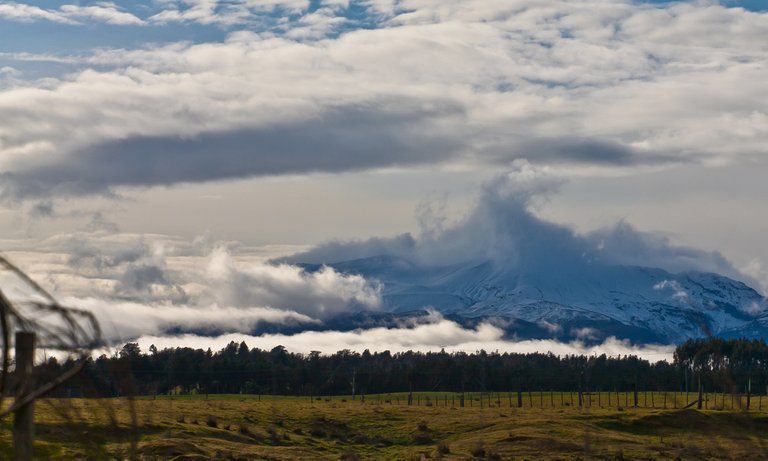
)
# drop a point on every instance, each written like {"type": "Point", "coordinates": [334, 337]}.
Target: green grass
{"type": "Point", "coordinates": [385, 427]}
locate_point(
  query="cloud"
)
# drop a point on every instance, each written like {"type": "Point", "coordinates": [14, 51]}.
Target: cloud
{"type": "Point", "coordinates": [622, 244]}
{"type": "Point", "coordinates": [503, 229]}
{"type": "Point", "coordinates": [138, 285]}
{"type": "Point", "coordinates": [323, 145]}
{"type": "Point", "coordinates": [319, 294]}
{"type": "Point", "coordinates": [28, 13]}
{"type": "Point", "coordinates": [229, 13]}
{"type": "Point", "coordinates": [107, 13]}
{"type": "Point", "coordinates": [126, 321]}
{"type": "Point", "coordinates": [612, 84]}
{"type": "Point", "coordinates": [441, 334]}
{"type": "Point", "coordinates": [103, 12]}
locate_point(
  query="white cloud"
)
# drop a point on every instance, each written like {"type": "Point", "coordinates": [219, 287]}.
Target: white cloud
{"type": "Point", "coordinates": [108, 13]}
{"type": "Point", "coordinates": [103, 12]}
{"type": "Point", "coordinates": [28, 13]}
{"type": "Point", "coordinates": [442, 334]}
{"type": "Point", "coordinates": [125, 321]}
{"type": "Point", "coordinates": [447, 83]}
{"type": "Point", "coordinates": [223, 13]}
{"type": "Point", "coordinates": [503, 228]}
{"type": "Point", "coordinates": [678, 292]}
{"type": "Point", "coordinates": [322, 293]}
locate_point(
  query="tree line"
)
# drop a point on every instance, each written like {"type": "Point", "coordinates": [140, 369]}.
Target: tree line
{"type": "Point", "coordinates": [719, 365]}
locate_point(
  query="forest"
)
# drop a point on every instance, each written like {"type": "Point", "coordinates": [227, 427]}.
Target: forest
{"type": "Point", "coordinates": [719, 365]}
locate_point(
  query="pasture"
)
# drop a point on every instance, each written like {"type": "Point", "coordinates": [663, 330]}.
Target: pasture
{"type": "Point", "coordinates": [434, 426]}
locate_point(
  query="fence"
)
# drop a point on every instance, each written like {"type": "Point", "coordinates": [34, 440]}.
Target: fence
{"type": "Point", "coordinates": [547, 400]}
{"type": "Point", "coordinates": [36, 318]}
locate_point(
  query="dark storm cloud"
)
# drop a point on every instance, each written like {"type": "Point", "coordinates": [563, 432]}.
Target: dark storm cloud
{"type": "Point", "coordinates": [343, 139]}
{"type": "Point", "coordinates": [576, 150]}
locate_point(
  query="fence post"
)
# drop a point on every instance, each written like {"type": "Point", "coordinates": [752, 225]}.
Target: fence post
{"type": "Point", "coordinates": [698, 406]}
{"type": "Point", "coordinates": [24, 416]}
{"type": "Point", "coordinates": [635, 396]}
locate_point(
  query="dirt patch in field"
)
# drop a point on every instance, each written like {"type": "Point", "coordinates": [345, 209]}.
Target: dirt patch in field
{"type": "Point", "coordinates": [174, 448]}
{"type": "Point", "coordinates": [690, 421]}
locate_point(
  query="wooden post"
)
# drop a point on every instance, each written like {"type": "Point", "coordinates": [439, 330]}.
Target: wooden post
{"type": "Point", "coordinates": [24, 416]}
{"type": "Point", "coordinates": [698, 406]}
{"type": "Point", "coordinates": [519, 399]}
{"type": "Point", "coordinates": [635, 394]}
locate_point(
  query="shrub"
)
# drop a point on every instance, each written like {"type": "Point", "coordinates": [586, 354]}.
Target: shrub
{"type": "Point", "coordinates": [478, 451]}
{"type": "Point", "coordinates": [350, 456]}
{"type": "Point", "coordinates": [247, 431]}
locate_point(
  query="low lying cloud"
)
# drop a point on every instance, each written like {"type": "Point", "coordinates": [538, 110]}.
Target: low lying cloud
{"type": "Point", "coordinates": [441, 334]}
{"type": "Point", "coordinates": [125, 321]}
{"type": "Point", "coordinates": [320, 293]}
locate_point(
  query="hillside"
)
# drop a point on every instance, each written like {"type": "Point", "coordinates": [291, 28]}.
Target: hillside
{"type": "Point", "coordinates": [636, 303]}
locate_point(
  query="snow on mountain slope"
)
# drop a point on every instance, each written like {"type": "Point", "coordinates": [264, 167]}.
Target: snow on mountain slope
{"type": "Point", "coordinates": [653, 302]}
{"type": "Point", "coordinates": [503, 260]}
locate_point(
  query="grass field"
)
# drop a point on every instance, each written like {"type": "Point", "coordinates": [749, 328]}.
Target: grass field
{"type": "Point", "coordinates": [384, 427]}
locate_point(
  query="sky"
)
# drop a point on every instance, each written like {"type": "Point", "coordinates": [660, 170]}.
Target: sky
{"type": "Point", "coordinates": [156, 155]}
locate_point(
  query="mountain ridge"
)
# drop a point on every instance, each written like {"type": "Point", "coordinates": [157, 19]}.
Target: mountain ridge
{"type": "Point", "coordinates": [636, 303]}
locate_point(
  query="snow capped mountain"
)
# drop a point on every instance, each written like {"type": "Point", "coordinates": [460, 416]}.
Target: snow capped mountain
{"type": "Point", "coordinates": [636, 303]}
{"type": "Point", "coordinates": [543, 279]}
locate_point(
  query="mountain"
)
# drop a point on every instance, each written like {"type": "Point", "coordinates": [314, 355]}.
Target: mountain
{"type": "Point", "coordinates": [588, 302]}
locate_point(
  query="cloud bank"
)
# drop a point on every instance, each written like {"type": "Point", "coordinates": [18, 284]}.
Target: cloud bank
{"type": "Point", "coordinates": [605, 83]}
{"type": "Point", "coordinates": [504, 229]}
{"type": "Point", "coordinates": [442, 334]}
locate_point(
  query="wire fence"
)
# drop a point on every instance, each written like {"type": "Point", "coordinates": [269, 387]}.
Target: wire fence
{"type": "Point", "coordinates": [31, 318]}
